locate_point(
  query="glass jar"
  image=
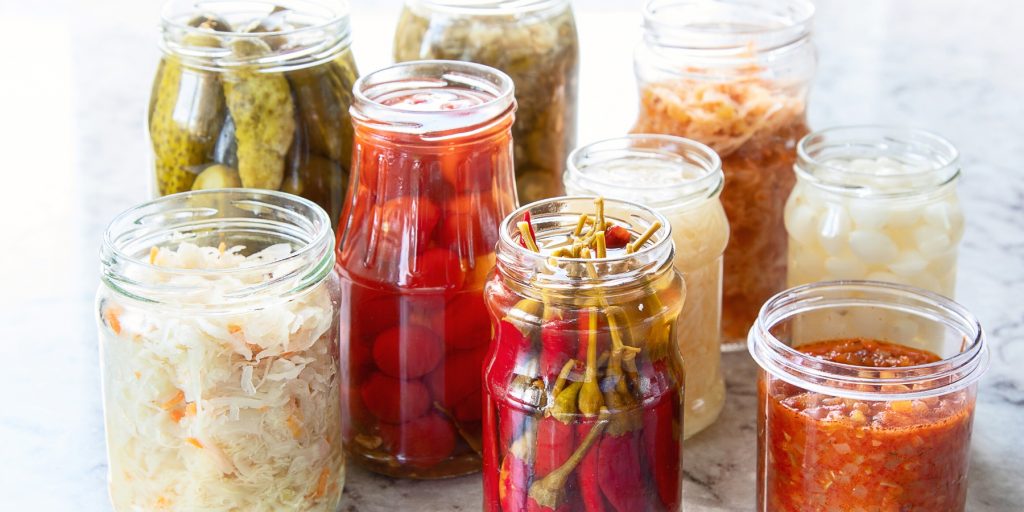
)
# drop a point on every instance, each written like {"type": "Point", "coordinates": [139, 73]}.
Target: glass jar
{"type": "Point", "coordinates": [432, 179]}
{"type": "Point", "coordinates": [734, 75]}
{"type": "Point", "coordinates": [682, 180]}
{"type": "Point", "coordinates": [254, 94]}
{"type": "Point", "coordinates": [583, 386]}
{"type": "Point", "coordinates": [875, 202]}
{"type": "Point", "coordinates": [217, 317]}
{"type": "Point", "coordinates": [857, 413]}
{"type": "Point", "coordinates": [535, 42]}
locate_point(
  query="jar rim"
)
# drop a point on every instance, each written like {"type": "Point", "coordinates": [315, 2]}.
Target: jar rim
{"type": "Point", "coordinates": [412, 75]}
{"type": "Point", "coordinates": [839, 379]}
{"type": "Point", "coordinates": [329, 16]}
{"type": "Point", "coordinates": [166, 216]}
{"type": "Point", "coordinates": [488, 7]}
{"type": "Point", "coordinates": [777, 25]}
{"type": "Point", "coordinates": [817, 153]}
{"type": "Point", "coordinates": [656, 147]}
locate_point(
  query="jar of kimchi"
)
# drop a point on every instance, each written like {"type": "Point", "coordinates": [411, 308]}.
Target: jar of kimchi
{"type": "Point", "coordinates": [218, 326]}
{"type": "Point", "coordinates": [682, 180]}
{"type": "Point", "coordinates": [866, 398]}
{"type": "Point", "coordinates": [583, 385]}
{"type": "Point", "coordinates": [432, 179]}
{"type": "Point", "coordinates": [734, 76]}
{"type": "Point", "coordinates": [535, 42]}
{"type": "Point", "coordinates": [875, 202]}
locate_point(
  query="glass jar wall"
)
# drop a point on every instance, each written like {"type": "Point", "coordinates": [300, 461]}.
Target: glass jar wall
{"type": "Point", "coordinates": [584, 382]}
{"type": "Point", "coordinates": [534, 42]}
{"type": "Point", "coordinates": [432, 179]}
{"type": "Point", "coordinates": [682, 180]}
{"type": "Point", "coordinates": [218, 348]}
{"type": "Point", "coordinates": [254, 94]}
{"type": "Point", "coordinates": [855, 410]}
{"type": "Point", "coordinates": [875, 203]}
{"type": "Point", "coordinates": [734, 76]}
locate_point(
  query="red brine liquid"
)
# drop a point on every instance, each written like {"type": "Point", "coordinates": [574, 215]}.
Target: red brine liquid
{"type": "Point", "coordinates": [415, 246]}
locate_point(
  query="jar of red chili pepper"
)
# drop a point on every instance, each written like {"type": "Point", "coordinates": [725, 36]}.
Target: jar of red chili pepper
{"type": "Point", "coordinates": [734, 75]}
{"type": "Point", "coordinates": [866, 398]}
{"type": "Point", "coordinates": [432, 179]}
{"type": "Point", "coordinates": [583, 386]}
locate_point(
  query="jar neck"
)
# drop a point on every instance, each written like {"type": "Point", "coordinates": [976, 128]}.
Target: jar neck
{"type": "Point", "coordinates": [564, 279]}
{"type": "Point", "coordinates": [877, 161]}
{"type": "Point", "coordinates": [665, 172]}
{"type": "Point", "coordinates": [252, 219]}
{"type": "Point", "coordinates": [728, 39]}
{"type": "Point", "coordinates": [955, 335]}
{"type": "Point", "coordinates": [483, 8]}
{"type": "Point", "coordinates": [278, 36]}
{"type": "Point", "coordinates": [433, 101]}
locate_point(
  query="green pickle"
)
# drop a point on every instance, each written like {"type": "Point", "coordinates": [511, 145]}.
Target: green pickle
{"type": "Point", "coordinates": [260, 102]}
{"type": "Point", "coordinates": [537, 45]}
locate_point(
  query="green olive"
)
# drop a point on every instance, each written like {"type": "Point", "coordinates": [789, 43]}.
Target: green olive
{"type": "Point", "coordinates": [217, 176]}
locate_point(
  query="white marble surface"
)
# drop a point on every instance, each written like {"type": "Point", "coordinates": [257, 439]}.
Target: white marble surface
{"type": "Point", "coordinates": [73, 88]}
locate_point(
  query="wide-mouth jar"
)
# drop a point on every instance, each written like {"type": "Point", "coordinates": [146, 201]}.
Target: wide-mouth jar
{"type": "Point", "coordinates": [866, 397]}
{"type": "Point", "coordinates": [217, 326]}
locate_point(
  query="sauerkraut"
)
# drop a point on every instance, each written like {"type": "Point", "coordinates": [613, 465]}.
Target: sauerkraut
{"type": "Point", "coordinates": [216, 408]}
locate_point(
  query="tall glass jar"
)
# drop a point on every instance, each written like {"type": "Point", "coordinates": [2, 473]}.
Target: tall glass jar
{"type": "Point", "coordinates": [875, 202]}
{"type": "Point", "coordinates": [682, 180]}
{"type": "Point", "coordinates": [584, 381]}
{"type": "Point", "coordinates": [535, 42]}
{"type": "Point", "coordinates": [734, 75]}
{"type": "Point", "coordinates": [217, 317]}
{"type": "Point", "coordinates": [254, 94]}
{"type": "Point", "coordinates": [856, 413]}
{"type": "Point", "coordinates": [432, 179]}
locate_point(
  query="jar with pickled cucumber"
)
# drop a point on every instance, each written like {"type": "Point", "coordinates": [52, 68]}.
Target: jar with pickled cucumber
{"type": "Point", "coordinates": [254, 94]}
{"type": "Point", "coordinates": [878, 203]}
{"type": "Point", "coordinates": [682, 180]}
{"type": "Point", "coordinates": [534, 42]}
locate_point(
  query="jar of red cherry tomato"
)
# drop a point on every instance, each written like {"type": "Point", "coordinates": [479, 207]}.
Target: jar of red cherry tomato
{"type": "Point", "coordinates": [583, 386]}
{"type": "Point", "coordinates": [866, 398]}
{"type": "Point", "coordinates": [432, 179]}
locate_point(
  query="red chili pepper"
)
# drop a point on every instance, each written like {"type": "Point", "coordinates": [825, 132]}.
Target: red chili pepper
{"type": "Point", "coordinates": [533, 234]}
{"type": "Point", "coordinates": [662, 447]}
{"type": "Point", "coordinates": [556, 347]}
{"type": "Point", "coordinates": [549, 494]}
{"type": "Point", "coordinates": [587, 475]}
{"type": "Point", "coordinates": [616, 237]}
{"type": "Point", "coordinates": [555, 432]}
{"type": "Point", "coordinates": [514, 476]}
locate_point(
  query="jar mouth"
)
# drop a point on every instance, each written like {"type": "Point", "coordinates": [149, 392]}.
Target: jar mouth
{"type": "Point", "coordinates": [960, 365]}
{"type": "Point", "coordinates": [255, 219]}
{"type": "Point", "coordinates": [304, 33]}
{"type": "Point", "coordinates": [488, 7]}
{"type": "Point", "coordinates": [479, 95]}
{"type": "Point", "coordinates": [826, 158]}
{"type": "Point", "coordinates": [694, 170]}
{"type": "Point", "coordinates": [727, 25]}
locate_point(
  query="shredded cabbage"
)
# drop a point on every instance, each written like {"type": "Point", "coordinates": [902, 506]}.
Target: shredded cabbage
{"type": "Point", "coordinates": [221, 411]}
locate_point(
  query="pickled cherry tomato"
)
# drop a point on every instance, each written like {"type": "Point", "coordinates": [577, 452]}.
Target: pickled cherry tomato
{"type": "Point", "coordinates": [467, 322]}
{"type": "Point", "coordinates": [458, 377]}
{"type": "Point", "coordinates": [407, 216]}
{"type": "Point", "coordinates": [408, 352]}
{"type": "Point", "coordinates": [421, 443]}
{"type": "Point", "coordinates": [437, 268]}
{"type": "Point", "coordinates": [394, 401]}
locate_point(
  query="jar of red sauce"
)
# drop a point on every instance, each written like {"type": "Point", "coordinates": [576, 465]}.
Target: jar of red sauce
{"type": "Point", "coordinates": [432, 179]}
{"type": "Point", "coordinates": [583, 386]}
{"type": "Point", "coordinates": [866, 398]}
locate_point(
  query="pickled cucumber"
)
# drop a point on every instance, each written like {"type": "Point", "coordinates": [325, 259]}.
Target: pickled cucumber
{"type": "Point", "coordinates": [263, 111]}
{"type": "Point", "coordinates": [322, 96]}
{"type": "Point", "coordinates": [217, 176]}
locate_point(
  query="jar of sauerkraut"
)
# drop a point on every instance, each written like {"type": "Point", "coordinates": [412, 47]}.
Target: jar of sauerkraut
{"type": "Point", "coordinates": [682, 180]}
{"type": "Point", "coordinates": [218, 348]}
{"type": "Point", "coordinates": [734, 75]}
{"type": "Point", "coordinates": [534, 42]}
{"type": "Point", "coordinates": [875, 203]}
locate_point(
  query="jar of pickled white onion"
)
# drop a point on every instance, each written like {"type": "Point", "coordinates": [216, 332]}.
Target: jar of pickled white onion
{"type": "Point", "coordinates": [681, 179]}
{"type": "Point", "coordinates": [877, 203]}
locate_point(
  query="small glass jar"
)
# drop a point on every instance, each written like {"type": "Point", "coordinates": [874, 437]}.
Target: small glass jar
{"type": "Point", "coordinates": [432, 179]}
{"type": "Point", "coordinates": [217, 317]}
{"type": "Point", "coordinates": [682, 180]}
{"type": "Point", "coordinates": [254, 94]}
{"type": "Point", "coordinates": [855, 411]}
{"type": "Point", "coordinates": [734, 75]}
{"type": "Point", "coordinates": [535, 42]}
{"type": "Point", "coordinates": [583, 386]}
{"type": "Point", "coordinates": [875, 202]}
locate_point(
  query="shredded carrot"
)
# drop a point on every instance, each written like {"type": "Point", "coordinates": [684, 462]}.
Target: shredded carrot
{"type": "Point", "coordinates": [177, 399]}
{"type": "Point", "coordinates": [162, 502]}
{"type": "Point", "coordinates": [234, 329]}
{"type": "Point", "coordinates": [111, 316]}
{"type": "Point", "coordinates": [153, 251]}
{"type": "Point", "coordinates": [194, 442]}
{"type": "Point", "coordinates": [222, 247]}
{"type": "Point", "coordinates": [176, 415]}
{"type": "Point", "coordinates": [138, 375]}
{"type": "Point", "coordinates": [321, 485]}
{"type": "Point", "coordinates": [295, 426]}
{"type": "Point", "coordinates": [190, 409]}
